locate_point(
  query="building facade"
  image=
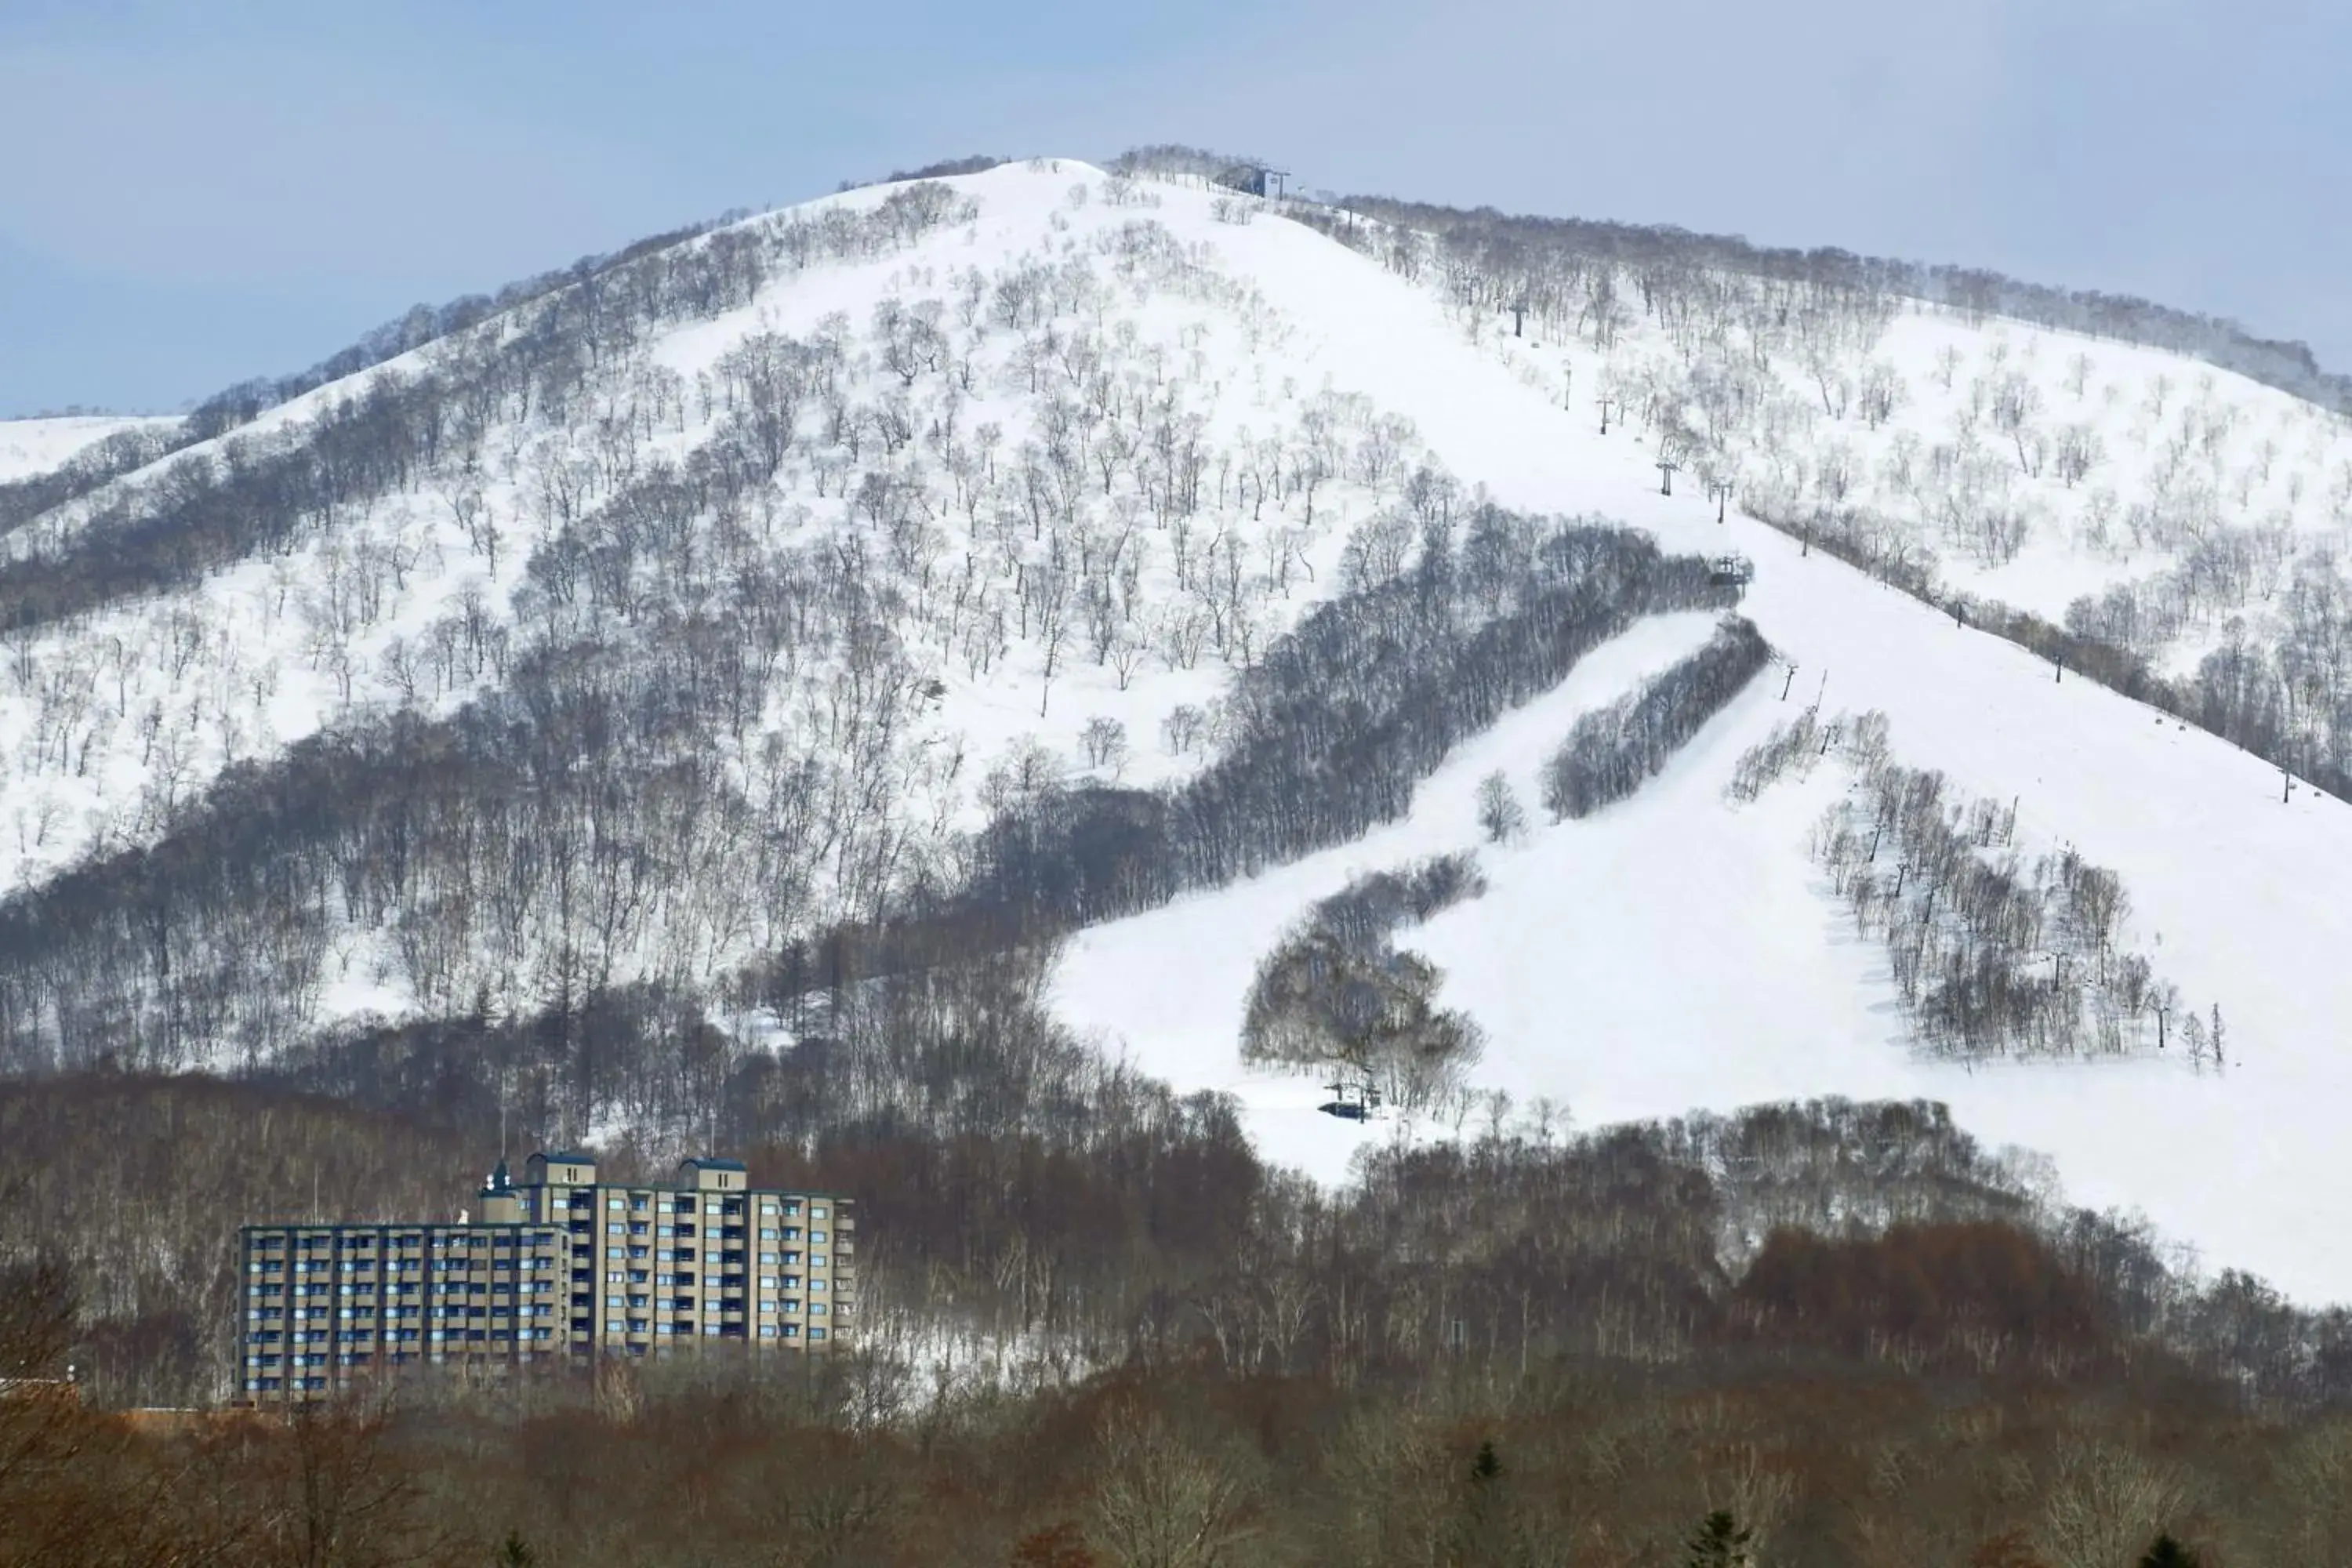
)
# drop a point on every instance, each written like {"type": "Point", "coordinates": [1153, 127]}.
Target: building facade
{"type": "Point", "coordinates": [554, 1267]}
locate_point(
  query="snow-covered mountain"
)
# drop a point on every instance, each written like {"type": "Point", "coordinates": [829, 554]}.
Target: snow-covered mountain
{"type": "Point", "coordinates": [1680, 950]}
{"type": "Point", "coordinates": [746, 589]}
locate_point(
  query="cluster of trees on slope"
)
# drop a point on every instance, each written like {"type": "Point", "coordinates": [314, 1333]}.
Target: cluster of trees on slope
{"type": "Point", "coordinates": [1335, 992]}
{"type": "Point", "coordinates": [2281, 690]}
{"type": "Point", "coordinates": [1329, 732]}
{"type": "Point", "coordinates": [1611, 752]}
{"type": "Point", "coordinates": [1993, 955]}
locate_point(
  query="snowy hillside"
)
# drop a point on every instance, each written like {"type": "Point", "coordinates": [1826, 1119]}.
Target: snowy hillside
{"type": "Point", "coordinates": [2032, 466]}
{"type": "Point", "coordinates": [1024, 430]}
{"type": "Point", "coordinates": [647, 634]}
{"type": "Point", "coordinates": [30, 447]}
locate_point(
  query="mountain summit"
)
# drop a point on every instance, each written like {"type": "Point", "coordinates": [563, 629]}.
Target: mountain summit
{"type": "Point", "coordinates": [1527, 670]}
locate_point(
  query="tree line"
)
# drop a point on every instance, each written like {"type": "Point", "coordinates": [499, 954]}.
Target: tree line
{"type": "Point", "coordinates": [1611, 752]}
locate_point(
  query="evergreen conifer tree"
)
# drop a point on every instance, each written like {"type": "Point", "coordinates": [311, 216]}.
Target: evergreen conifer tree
{"type": "Point", "coordinates": [1719, 1542]}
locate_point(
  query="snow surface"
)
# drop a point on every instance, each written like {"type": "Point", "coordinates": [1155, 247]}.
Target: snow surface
{"type": "Point", "coordinates": [1676, 952]}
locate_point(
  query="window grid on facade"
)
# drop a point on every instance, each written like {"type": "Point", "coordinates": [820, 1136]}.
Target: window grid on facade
{"type": "Point", "coordinates": [535, 1276]}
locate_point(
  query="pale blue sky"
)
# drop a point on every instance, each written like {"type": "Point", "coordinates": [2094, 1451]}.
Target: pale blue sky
{"type": "Point", "coordinates": [193, 194]}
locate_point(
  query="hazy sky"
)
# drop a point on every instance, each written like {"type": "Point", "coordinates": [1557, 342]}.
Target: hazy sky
{"type": "Point", "coordinates": [195, 193]}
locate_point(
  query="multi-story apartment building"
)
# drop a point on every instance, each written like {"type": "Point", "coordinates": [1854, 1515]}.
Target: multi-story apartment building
{"type": "Point", "coordinates": [554, 1266]}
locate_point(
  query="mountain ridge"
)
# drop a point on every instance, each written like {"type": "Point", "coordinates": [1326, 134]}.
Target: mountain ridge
{"type": "Point", "coordinates": [843, 483]}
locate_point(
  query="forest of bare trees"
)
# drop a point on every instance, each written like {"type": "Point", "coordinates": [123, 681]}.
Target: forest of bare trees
{"type": "Point", "coordinates": [1336, 995]}
{"type": "Point", "coordinates": [1612, 751]}
{"type": "Point", "coordinates": [1838, 1323]}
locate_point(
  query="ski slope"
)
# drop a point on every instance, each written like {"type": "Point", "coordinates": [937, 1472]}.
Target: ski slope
{"type": "Point", "coordinates": [1676, 952]}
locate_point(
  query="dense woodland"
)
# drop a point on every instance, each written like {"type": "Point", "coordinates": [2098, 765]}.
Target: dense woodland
{"type": "Point", "coordinates": [1613, 751]}
{"type": "Point", "coordinates": [1845, 1326]}
{"type": "Point", "coordinates": [1336, 995]}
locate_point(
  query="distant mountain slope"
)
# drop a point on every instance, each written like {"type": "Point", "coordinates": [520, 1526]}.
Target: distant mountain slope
{"type": "Point", "coordinates": [2123, 488]}
{"type": "Point", "coordinates": [31, 447]}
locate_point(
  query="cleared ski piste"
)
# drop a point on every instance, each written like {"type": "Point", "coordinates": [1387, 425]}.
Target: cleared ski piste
{"type": "Point", "coordinates": [1676, 952]}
